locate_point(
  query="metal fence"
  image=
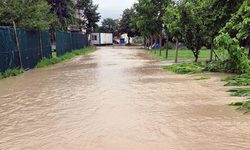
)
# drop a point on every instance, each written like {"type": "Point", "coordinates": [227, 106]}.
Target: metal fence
{"type": "Point", "coordinates": [33, 45]}
{"type": "Point", "coordinates": [67, 41]}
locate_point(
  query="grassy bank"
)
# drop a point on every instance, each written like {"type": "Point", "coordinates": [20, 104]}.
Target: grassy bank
{"type": "Point", "coordinates": [46, 62]}
{"type": "Point", "coordinates": [182, 54]}
{"type": "Point", "coordinates": [10, 73]}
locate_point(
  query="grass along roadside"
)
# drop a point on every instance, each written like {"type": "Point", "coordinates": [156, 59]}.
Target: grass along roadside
{"type": "Point", "coordinates": [10, 73]}
{"type": "Point", "coordinates": [182, 54]}
{"type": "Point", "coordinates": [46, 62]}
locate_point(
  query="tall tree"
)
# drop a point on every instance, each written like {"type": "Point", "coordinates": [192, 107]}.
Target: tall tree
{"type": "Point", "coordinates": [126, 25]}
{"type": "Point", "coordinates": [145, 19]}
{"type": "Point", "coordinates": [90, 15]}
{"type": "Point", "coordinates": [65, 11]}
{"type": "Point", "coordinates": [191, 26]}
{"type": "Point", "coordinates": [172, 21]}
{"type": "Point", "coordinates": [216, 13]}
{"type": "Point", "coordinates": [110, 26]}
{"type": "Point", "coordinates": [29, 14]}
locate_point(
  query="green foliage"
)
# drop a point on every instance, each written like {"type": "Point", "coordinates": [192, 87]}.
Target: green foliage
{"type": "Point", "coordinates": [109, 26]}
{"type": "Point", "coordinates": [126, 24]}
{"type": "Point", "coordinates": [65, 10]}
{"type": "Point", "coordinates": [202, 78]}
{"type": "Point", "coordinates": [243, 106]}
{"type": "Point", "coordinates": [171, 19]}
{"type": "Point", "coordinates": [219, 66]}
{"type": "Point", "coordinates": [29, 14]}
{"type": "Point", "coordinates": [191, 26]}
{"type": "Point", "coordinates": [170, 46]}
{"type": "Point", "coordinates": [10, 73]}
{"type": "Point", "coordinates": [186, 68]}
{"type": "Point", "coordinates": [183, 48]}
{"type": "Point", "coordinates": [240, 92]}
{"type": "Point", "coordinates": [240, 80]}
{"type": "Point", "coordinates": [46, 62]}
{"type": "Point", "coordinates": [1, 76]}
{"type": "Point", "coordinates": [238, 60]}
{"type": "Point", "coordinates": [90, 14]}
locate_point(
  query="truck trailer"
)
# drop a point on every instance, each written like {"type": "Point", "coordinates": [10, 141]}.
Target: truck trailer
{"type": "Point", "coordinates": [98, 39]}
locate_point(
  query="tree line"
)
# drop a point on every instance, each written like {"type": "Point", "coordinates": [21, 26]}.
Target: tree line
{"type": "Point", "coordinates": [211, 23]}
{"type": "Point", "coordinates": [49, 14]}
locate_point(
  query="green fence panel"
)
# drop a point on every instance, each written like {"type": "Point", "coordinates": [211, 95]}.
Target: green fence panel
{"type": "Point", "coordinates": [68, 42]}
{"type": "Point", "coordinates": [47, 52]}
{"type": "Point", "coordinates": [29, 44]}
{"type": "Point", "coordinates": [73, 37]}
{"type": "Point", "coordinates": [79, 40]}
{"type": "Point", "coordinates": [60, 45]}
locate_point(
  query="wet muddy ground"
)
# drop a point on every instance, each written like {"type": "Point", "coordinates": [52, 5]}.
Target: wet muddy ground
{"type": "Point", "coordinates": [118, 98]}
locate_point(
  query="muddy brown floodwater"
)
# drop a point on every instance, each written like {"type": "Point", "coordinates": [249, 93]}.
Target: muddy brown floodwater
{"type": "Point", "coordinates": [118, 98]}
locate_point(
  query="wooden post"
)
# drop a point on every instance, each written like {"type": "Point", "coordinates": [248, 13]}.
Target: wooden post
{"type": "Point", "coordinates": [41, 44]}
{"type": "Point", "coordinates": [19, 53]}
{"type": "Point", "coordinates": [176, 52]}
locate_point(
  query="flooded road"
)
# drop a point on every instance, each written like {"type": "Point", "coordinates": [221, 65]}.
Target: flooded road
{"type": "Point", "coordinates": [118, 99]}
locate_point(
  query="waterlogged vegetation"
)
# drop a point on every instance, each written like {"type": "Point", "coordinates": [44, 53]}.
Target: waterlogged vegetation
{"type": "Point", "coordinates": [239, 80]}
{"type": "Point", "coordinates": [240, 92]}
{"type": "Point", "coordinates": [46, 62]}
{"type": "Point", "coordinates": [202, 78]}
{"type": "Point", "coordinates": [10, 73]}
{"type": "Point", "coordinates": [242, 106]}
{"type": "Point", "coordinates": [186, 68]}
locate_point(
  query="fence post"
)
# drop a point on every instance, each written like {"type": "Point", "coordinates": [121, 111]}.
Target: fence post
{"type": "Point", "coordinates": [65, 48]}
{"type": "Point", "coordinates": [20, 59]}
{"type": "Point", "coordinates": [41, 44]}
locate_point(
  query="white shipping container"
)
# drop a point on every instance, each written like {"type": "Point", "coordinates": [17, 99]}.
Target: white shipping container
{"type": "Point", "coordinates": [101, 39]}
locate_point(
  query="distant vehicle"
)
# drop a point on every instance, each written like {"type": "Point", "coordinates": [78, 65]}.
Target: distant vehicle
{"type": "Point", "coordinates": [115, 42]}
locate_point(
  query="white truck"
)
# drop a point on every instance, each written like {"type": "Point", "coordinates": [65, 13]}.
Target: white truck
{"type": "Point", "coordinates": [98, 39]}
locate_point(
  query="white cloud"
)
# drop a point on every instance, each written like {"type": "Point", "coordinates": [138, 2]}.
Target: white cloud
{"type": "Point", "coordinates": [112, 8]}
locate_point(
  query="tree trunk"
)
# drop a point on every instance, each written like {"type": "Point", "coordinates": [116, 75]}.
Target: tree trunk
{"type": "Point", "coordinates": [249, 52]}
{"type": "Point", "coordinates": [167, 48]}
{"type": "Point", "coordinates": [196, 57]}
{"type": "Point", "coordinates": [177, 47]}
{"type": "Point", "coordinates": [147, 42]}
{"type": "Point", "coordinates": [160, 43]}
{"type": "Point", "coordinates": [144, 42]}
{"type": "Point", "coordinates": [151, 43]}
{"type": "Point", "coordinates": [155, 42]}
{"type": "Point", "coordinates": [212, 50]}
{"type": "Point", "coordinates": [128, 40]}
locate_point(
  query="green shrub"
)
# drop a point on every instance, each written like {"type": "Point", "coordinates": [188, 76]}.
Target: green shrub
{"type": "Point", "coordinates": [12, 72]}
{"type": "Point", "coordinates": [203, 48]}
{"type": "Point", "coordinates": [183, 48]}
{"type": "Point", "coordinates": [1, 76]}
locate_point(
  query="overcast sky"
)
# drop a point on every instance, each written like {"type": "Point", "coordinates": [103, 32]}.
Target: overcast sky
{"type": "Point", "coordinates": [112, 8]}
